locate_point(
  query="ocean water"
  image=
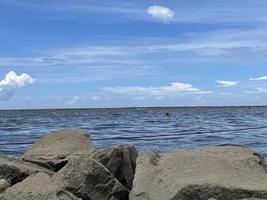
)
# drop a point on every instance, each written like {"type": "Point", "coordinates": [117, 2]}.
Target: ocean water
{"type": "Point", "coordinates": [146, 128]}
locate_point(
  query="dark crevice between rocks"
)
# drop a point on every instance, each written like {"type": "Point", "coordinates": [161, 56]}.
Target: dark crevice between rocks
{"type": "Point", "coordinates": [44, 165]}
{"type": "Point", "coordinates": [204, 192]}
{"type": "Point", "coordinates": [12, 174]}
{"type": "Point", "coordinates": [60, 165]}
{"type": "Point", "coordinates": [49, 165]}
{"type": "Point", "coordinates": [262, 160]}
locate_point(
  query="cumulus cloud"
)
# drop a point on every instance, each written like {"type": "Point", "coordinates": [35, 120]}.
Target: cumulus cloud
{"type": "Point", "coordinates": [160, 12]}
{"type": "Point", "coordinates": [259, 78]}
{"type": "Point", "coordinates": [173, 89]}
{"type": "Point", "coordinates": [227, 83]}
{"type": "Point", "coordinates": [12, 81]}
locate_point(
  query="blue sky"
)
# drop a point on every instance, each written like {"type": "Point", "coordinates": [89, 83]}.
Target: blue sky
{"type": "Point", "coordinates": [87, 53]}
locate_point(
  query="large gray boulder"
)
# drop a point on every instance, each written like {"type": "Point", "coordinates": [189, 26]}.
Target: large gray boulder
{"type": "Point", "coordinates": [222, 173]}
{"type": "Point", "coordinates": [120, 161]}
{"type": "Point", "coordinates": [89, 180]}
{"type": "Point", "coordinates": [13, 171]}
{"type": "Point", "coordinates": [56, 148]}
{"type": "Point", "coordinates": [37, 187]}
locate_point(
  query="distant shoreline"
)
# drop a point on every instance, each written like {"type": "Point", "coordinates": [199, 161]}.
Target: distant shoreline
{"type": "Point", "coordinates": [134, 107]}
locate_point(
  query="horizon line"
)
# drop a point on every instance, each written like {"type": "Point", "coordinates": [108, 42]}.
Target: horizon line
{"type": "Point", "coordinates": [131, 107]}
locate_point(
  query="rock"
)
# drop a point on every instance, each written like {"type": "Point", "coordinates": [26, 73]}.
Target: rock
{"type": "Point", "coordinates": [253, 199]}
{"type": "Point", "coordinates": [56, 148]}
{"type": "Point", "coordinates": [243, 199]}
{"type": "Point", "coordinates": [89, 180]}
{"type": "Point", "coordinates": [262, 161]}
{"type": "Point", "coordinates": [222, 173]}
{"type": "Point", "coordinates": [265, 167]}
{"type": "Point", "coordinates": [4, 184]}
{"type": "Point", "coordinates": [13, 171]}
{"type": "Point", "coordinates": [37, 187]}
{"type": "Point", "coordinates": [120, 161]}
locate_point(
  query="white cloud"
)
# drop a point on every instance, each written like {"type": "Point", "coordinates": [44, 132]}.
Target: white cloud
{"type": "Point", "coordinates": [256, 91]}
{"type": "Point", "coordinates": [173, 89]}
{"type": "Point", "coordinates": [160, 12]}
{"type": "Point", "coordinates": [227, 83]}
{"type": "Point", "coordinates": [73, 101]}
{"type": "Point", "coordinates": [138, 98]}
{"type": "Point", "coordinates": [258, 78]}
{"type": "Point", "coordinates": [12, 81]}
{"type": "Point", "coordinates": [96, 98]}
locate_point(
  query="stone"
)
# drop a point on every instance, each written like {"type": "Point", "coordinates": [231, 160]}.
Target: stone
{"type": "Point", "coordinates": [55, 149]}
{"type": "Point", "coordinates": [89, 180]}
{"type": "Point", "coordinates": [13, 170]}
{"type": "Point", "coordinates": [242, 199]}
{"type": "Point", "coordinates": [222, 173]}
{"type": "Point", "coordinates": [37, 187]}
{"type": "Point", "coordinates": [120, 161]}
{"type": "Point", "coordinates": [4, 184]}
{"type": "Point", "coordinates": [253, 199]}
{"type": "Point", "coordinates": [265, 167]}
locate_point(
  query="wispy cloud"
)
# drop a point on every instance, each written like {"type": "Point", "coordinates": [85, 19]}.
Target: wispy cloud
{"type": "Point", "coordinates": [126, 59]}
{"type": "Point", "coordinates": [234, 44]}
{"type": "Point", "coordinates": [258, 78]}
{"type": "Point", "coordinates": [256, 91]}
{"type": "Point", "coordinates": [173, 89]}
{"type": "Point", "coordinates": [209, 12]}
{"type": "Point", "coordinates": [12, 81]}
{"type": "Point", "coordinates": [231, 44]}
{"type": "Point", "coordinates": [224, 83]}
{"type": "Point", "coordinates": [161, 12]}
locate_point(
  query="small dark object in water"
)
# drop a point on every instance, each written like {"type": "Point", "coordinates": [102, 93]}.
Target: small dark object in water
{"type": "Point", "coordinates": [167, 114]}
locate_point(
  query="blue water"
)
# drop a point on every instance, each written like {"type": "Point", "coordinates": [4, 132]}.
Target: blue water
{"type": "Point", "coordinates": [146, 128]}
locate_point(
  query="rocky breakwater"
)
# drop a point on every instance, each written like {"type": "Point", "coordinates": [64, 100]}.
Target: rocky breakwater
{"type": "Point", "coordinates": [64, 165]}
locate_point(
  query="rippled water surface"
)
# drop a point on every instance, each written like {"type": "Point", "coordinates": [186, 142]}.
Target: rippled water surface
{"type": "Point", "coordinates": [146, 128]}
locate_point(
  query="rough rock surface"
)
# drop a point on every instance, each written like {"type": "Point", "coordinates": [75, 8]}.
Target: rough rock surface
{"type": "Point", "coordinates": [222, 173]}
{"type": "Point", "coordinates": [120, 161]}
{"type": "Point", "coordinates": [37, 187]}
{"type": "Point", "coordinates": [89, 180]}
{"type": "Point", "coordinates": [13, 171]}
{"type": "Point", "coordinates": [243, 199]}
{"type": "Point", "coordinates": [253, 199]}
{"type": "Point", "coordinates": [4, 184]}
{"type": "Point", "coordinates": [56, 148]}
{"type": "Point", "coordinates": [265, 167]}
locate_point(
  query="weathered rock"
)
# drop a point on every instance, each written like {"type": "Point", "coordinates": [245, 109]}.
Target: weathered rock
{"type": "Point", "coordinates": [222, 173]}
{"type": "Point", "coordinates": [13, 171]}
{"type": "Point", "coordinates": [37, 187]}
{"type": "Point", "coordinates": [120, 161]}
{"type": "Point", "coordinates": [253, 199]}
{"type": "Point", "coordinates": [56, 148]}
{"type": "Point", "coordinates": [89, 180]}
{"type": "Point", "coordinates": [4, 184]}
{"type": "Point", "coordinates": [242, 199]}
{"type": "Point", "coordinates": [262, 161]}
{"type": "Point", "coordinates": [265, 167]}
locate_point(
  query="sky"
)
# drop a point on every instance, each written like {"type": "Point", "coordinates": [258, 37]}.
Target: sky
{"type": "Point", "coordinates": [117, 53]}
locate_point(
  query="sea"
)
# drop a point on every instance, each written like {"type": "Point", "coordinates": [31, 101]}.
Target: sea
{"type": "Point", "coordinates": [156, 129]}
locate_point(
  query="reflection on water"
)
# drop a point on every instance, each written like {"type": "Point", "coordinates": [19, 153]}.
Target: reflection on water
{"type": "Point", "coordinates": [146, 128]}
